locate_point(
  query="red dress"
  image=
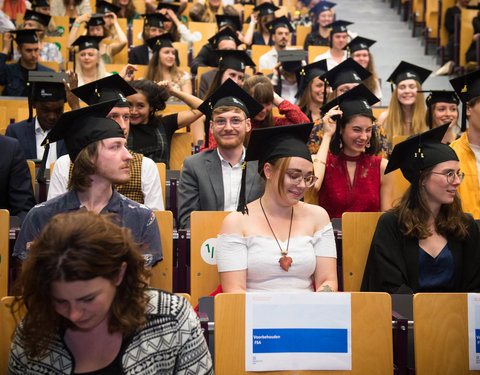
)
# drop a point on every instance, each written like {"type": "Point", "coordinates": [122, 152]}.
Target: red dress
{"type": "Point", "coordinates": [338, 195]}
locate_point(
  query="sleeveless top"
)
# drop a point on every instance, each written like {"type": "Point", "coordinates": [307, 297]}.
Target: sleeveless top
{"type": "Point", "coordinates": [436, 274]}
{"type": "Point", "coordinates": [338, 194]}
{"type": "Point", "coordinates": [133, 188]}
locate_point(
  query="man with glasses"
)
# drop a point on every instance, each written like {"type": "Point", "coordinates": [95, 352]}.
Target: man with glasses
{"type": "Point", "coordinates": [467, 146]}
{"type": "Point", "coordinates": [211, 180]}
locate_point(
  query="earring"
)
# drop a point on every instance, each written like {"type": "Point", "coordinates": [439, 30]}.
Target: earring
{"type": "Point", "coordinates": [368, 145]}
{"type": "Point", "coordinates": [340, 143]}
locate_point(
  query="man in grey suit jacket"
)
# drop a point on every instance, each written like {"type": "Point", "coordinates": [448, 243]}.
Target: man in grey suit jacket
{"type": "Point", "coordinates": [211, 180]}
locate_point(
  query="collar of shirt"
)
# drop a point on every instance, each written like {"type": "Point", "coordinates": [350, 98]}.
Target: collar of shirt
{"type": "Point", "coordinates": [224, 162]}
{"type": "Point", "coordinates": [113, 206]}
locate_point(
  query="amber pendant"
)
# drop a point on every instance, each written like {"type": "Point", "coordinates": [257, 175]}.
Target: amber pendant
{"type": "Point", "coordinates": [285, 262]}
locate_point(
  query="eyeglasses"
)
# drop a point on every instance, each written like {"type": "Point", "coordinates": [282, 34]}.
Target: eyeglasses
{"type": "Point", "coordinates": [451, 176]}
{"type": "Point", "coordinates": [234, 122]}
{"type": "Point", "coordinates": [296, 179]}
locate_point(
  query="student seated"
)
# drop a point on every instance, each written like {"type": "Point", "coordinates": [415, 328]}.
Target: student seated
{"type": "Point", "coordinates": [89, 307]}
{"type": "Point", "coordinates": [426, 243]}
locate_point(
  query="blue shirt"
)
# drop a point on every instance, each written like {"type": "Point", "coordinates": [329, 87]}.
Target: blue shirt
{"type": "Point", "coordinates": [139, 218]}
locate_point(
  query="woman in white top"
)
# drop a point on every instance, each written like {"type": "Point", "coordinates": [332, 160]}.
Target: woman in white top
{"type": "Point", "coordinates": [279, 243]}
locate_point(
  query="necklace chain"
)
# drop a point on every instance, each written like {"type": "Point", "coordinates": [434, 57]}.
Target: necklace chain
{"type": "Point", "coordinates": [284, 252]}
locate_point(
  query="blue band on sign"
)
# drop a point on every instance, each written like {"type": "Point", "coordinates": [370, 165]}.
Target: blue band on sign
{"type": "Point", "coordinates": [477, 340]}
{"type": "Point", "coordinates": [298, 340]}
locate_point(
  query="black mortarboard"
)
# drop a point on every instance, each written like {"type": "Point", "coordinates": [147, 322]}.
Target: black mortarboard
{"type": "Point", "coordinates": [25, 35]}
{"type": "Point", "coordinates": [158, 42]}
{"type": "Point", "coordinates": [83, 126]}
{"type": "Point", "coordinates": [172, 6]}
{"type": "Point", "coordinates": [105, 7]}
{"type": "Point", "coordinates": [228, 20]}
{"type": "Point", "coordinates": [467, 87]}
{"type": "Point", "coordinates": [40, 3]}
{"type": "Point", "coordinates": [87, 41]}
{"type": "Point", "coordinates": [96, 20]}
{"type": "Point", "coordinates": [321, 7]}
{"type": "Point", "coordinates": [405, 70]}
{"type": "Point", "coordinates": [348, 71]}
{"type": "Point", "coordinates": [42, 19]}
{"type": "Point", "coordinates": [224, 34]}
{"type": "Point", "coordinates": [105, 89]}
{"type": "Point", "coordinates": [155, 20]}
{"type": "Point", "coordinates": [339, 26]}
{"type": "Point", "coordinates": [230, 94]}
{"type": "Point", "coordinates": [279, 22]}
{"type": "Point", "coordinates": [440, 96]}
{"type": "Point", "coordinates": [266, 9]}
{"type": "Point", "coordinates": [308, 72]}
{"type": "Point", "coordinates": [234, 59]}
{"type": "Point", "coordinates": [357, 101]}
{"type": "Point", "coordinates": [45, 87]}
{"type": "Point", "coordinates": [291, 59]}
{"type": "Point", "coordinates": [267, 144]}
{"type": "Point", "coordinates": [417, 153]}
{"type": "Point", "coordinates": [359, 43]}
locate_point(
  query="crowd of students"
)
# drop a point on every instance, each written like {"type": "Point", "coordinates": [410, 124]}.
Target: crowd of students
{"type": "Point", "coordinates": [82, 286]}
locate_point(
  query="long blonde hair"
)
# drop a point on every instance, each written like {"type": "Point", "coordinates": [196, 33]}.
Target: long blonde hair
{"type": "Point", "coordinates": [371, 82]}
{"type": "Point", "coordinates": [101, 71]}
{"type": "Point", "coordinates": [209, 14]}
{"type": "Point", "coordinates": [395, 120]}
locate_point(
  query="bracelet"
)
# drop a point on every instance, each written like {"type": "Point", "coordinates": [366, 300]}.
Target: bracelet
{"type": "Point", "coordinates": [252, 23]}
{"type": "Point", "coordinates": [76, 24]}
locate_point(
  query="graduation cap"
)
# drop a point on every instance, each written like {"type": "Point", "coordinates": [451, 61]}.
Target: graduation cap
{"type": "Point", "coordinates": [440, 96]}
{"type": "Point", "coordinates": [87, 41]}
{"type": "Point", "coordinates": [291, 59]}
{"type": "Point", "coordinates": [234, 59]}
{"type": "Point", "coordinates": [266, 9]}
{"type": "Point", "coordinates": [158, 42]}
{"type": "Point", "coordinates": [321, 7]}
{"type": "Point", "coordinates": [267, 144]}
{"type": "Point", "coordinates": [25, 35]}
{"type": "Point", "coordinates": [339, 26]}
{"type": "Point", "coordinates": [155, 20]}
{"type": "Point", "coordinates": [105, 89]}
{"type": "Point", "coordinates": [279, 22]}
{"type": "Point", "coordinates": [359, 43]}
{"type": "Point", "coordinates": [307, 73]}
{"type": "Point", "coordinates": [45, 87]}
{"type": "Point", "coordinates": [357, 101]}
{"type": "Point", "coordinates": [225, 34]}
{"type": "Point", "coordinates": [348, 71]}
{"type": "Point", "coordinates": [230, 94]}
{"type": "Point", "coordinates": [405, 70]}
{"type": "Point", "coordinates": [105, 7]}
{"type": "Point", "coordinates": [40, 3]}
{"type": "Point", "coordinates": [96, 20]}
{"type": "Point", "coordinates": [467, 87]}
{"type": "Point", "coordinates": [42, 19]}
{"type": "Point", "coordinates": [174, 7]}
{"type": "Point", "coordinates": [228, 20]}
{"type": "Point", "coordinates": [417, 153]}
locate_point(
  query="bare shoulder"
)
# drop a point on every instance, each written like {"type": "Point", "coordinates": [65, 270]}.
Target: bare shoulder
{"type": "Point", "coordinates": [314, 214]}
{"type": "Point", "coordinates": [383, 165]}
{"type": "Point", "coordinates": [382, 117]}
{"type": "Point", "coordinates": [233, 223]}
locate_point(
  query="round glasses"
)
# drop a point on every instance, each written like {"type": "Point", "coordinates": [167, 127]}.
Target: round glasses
{"type": "Point", "coordinates": [234, 122]}
{"type": "Point", "coordinates": [451, 176]}
{"type": "Point", "coordinates": [296, 179]}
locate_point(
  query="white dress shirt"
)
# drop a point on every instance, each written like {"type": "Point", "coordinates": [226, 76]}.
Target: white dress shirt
{"type": "Point", "coordinates": [39, 137]}
{"type": "Point", "coordinates": [232, 179]}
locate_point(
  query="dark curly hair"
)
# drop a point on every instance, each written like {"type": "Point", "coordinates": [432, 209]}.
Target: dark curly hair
{"type": "Point", "coordinates": [335, 144]}
{"type": "Point", "coordinates": [156, 95]}
{"type": "Point", "coordinates": [80, 246]}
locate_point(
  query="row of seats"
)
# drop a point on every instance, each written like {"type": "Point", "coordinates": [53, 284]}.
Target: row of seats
{"type": "Point", "coordinates": [440, 334]}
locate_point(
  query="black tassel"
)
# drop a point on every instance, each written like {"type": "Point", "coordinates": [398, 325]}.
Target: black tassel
{"type": "Point", "coordinates": [41, 171]}
{"type": "Point", "coordinates": [30, 104]}
{"type": "Point", "coordinates": [242, 199]}
{"type": "Point", "coordinates": [464, 117]}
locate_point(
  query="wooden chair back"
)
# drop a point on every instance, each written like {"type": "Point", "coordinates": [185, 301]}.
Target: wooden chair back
{"type": "Point", "coordinates": [12, 107]}
{"type": "Point", "coordinates": [175, 108]}
{"type": "Point", "coordinates": [51, 64]}
{"type": "Point", "coordinates": [162, 173]}
{"type": "Point", "coordinates": [257, 51]}
{"type": "Point", "coordinates": [314, 51]}
{"type": "Point", "coordinates": [207, 29]}
{"type": "Point", "coordinates": [4, 121]}
{"type": "Point", "coordinates": [466, 33]}
{"type": "Point", "coordinates": [180, 148]}
{"type": "Point", "coordinates": [372, 351]}
{"type": "Point", "coordinates": [182, 49]}
{"type": "Point", "coordinates": [4, 251]}
{"type": "Point", "coordinates": [357, 233]}
{"type": "Point", "coordinates": [140, 6]}
{"type": "Point", "coordinates": [137, 30]}
{"type": "Point", "coordinates": [441, 333]}
{"type": "Point", "coordinates": [31, 168]}
{"type": "Point", "coordinates": [443, 31]}
{"type": "Point", "coordinates": [200, 71]}
{"type": "Point", "coordinates": [162, 273]}
{"type": "Point", "coordinates": [204, 277]}
{"type": "Point", "coordinates": [302, 32]}
{"type": "Point", "coordinates": [377, 111]}
{"type": "Point", "coordinates": [9, 323]}
{"type": "Point", "coordinates": [61, 42]}
{"type": "Point", "coordinates": [400, 183]}
{"type": "Point", "coordinates": [186, 296]}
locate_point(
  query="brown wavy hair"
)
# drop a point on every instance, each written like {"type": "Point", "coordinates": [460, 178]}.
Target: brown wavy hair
{"type": "Point", "coordinates": [261, 89]}
{"type": "Point", "coordinates": [72, 247]}
{"type": "Point", "coordinates": [130, 9]}
{"type": "Point", "coordinates": [154, 70]}
{"type": "Point", "coordinates": [413, 222]}
{"type": "Point", "coordinates": [83, 167]}
{"type": "Point", "coordinates": [371, 82]}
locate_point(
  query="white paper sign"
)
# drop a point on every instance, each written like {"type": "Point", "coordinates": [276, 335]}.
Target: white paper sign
{"type": "Point", "coordinates": [474, 330]}
{"type": "Point", "coordinates": [207, 251]}
{"type": "Point", "coordinates": [301, 331]}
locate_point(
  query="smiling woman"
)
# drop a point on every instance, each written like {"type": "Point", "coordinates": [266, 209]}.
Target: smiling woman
{"type": "Point", "coordinates": [89, 306]}
{"type": "Point", "coordinates": [426, 243]}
